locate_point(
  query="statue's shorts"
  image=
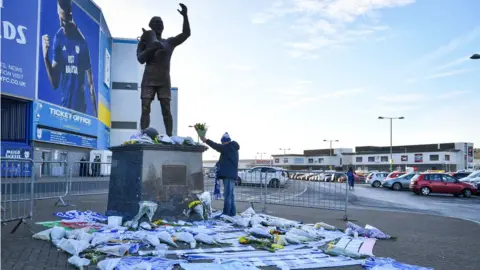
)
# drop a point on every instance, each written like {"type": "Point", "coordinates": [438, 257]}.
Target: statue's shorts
{"type": "Point", "coordinates": [149, 92]}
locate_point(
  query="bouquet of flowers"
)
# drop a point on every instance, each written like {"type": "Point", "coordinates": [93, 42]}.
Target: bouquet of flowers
{"type": "Point", "coordinates": [259, 243]}
{"type": "Point", "coordinates": [201, 129]}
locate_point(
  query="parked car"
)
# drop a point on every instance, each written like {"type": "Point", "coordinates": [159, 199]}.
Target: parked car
{"type": "Point", "coordinates": [273, 177]}
{"type": "Point", "coordinates": [393, 175]}
{"type": "Point", "coordinates": [399, 183]}
{"type": "Point", "coordinates": [339, 177]}
{"type": "Point", "coordinates": [427, 183]}
{"type": "Point", "coordinates": [375, 179]}
{"type": "Point", "coordinates": [473, 178]}
{"type": "Point", "coordinates": [459, 175]}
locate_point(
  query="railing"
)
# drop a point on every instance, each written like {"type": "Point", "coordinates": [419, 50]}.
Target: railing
{"type": "Point", "coordinates": [17, 183]}
{"type": "Point", "coordinates": [60, 179]}
{"type": "Point", "coordinates": [293, 188]}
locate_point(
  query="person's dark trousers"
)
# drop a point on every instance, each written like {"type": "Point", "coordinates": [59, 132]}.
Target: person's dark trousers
{"type": "Point", "coordinates": [167, 115]}
{"type": "Point", "coordinates": [229, 208]}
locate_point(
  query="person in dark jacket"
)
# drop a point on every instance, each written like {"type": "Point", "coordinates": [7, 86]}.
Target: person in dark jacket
{"type": "Point", "coordinates": [227, 170]}
{"type": "Point", "coordinates": [83, 167]}
{"type": "Point", "coordinates": [351, 179]}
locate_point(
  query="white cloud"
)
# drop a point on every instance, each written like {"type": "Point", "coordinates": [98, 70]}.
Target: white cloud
{"type": "Point", "coordinates": [342, 93]}
{"type": "Point", "coordinates": [453, 63]}
{"type": "Point", "coordinates": [447, 74]}
{"type": "Point", "coordinates": [449, 47]}
{"type": "Point", "coordinates": [452, 94]}
{"type": "Point", "coordinates": [328, 23]}
{"type": "Point", "coordinates": [440, 75]}
{"type": "Point", "coordinates": [241, 67]}
{"type": "Point", "coordinates": [402, 98]}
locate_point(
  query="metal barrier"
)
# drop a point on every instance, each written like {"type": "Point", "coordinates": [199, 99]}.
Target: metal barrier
{"type": "Point", "coordinates": [51, 180]}
{"type": "Point", "coordinates": [89, 178]}
{"type": "Point", "coordinates": [248, 186]}
{"type": "Point", "coordinates": [293, 188]}
{"type": "Point", "coordinates": [55, 179]}
{"type": "Point", "coordinates": [17, 190]}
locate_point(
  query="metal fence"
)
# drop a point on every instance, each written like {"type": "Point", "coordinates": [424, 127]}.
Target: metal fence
{"type": "Point", "coordinates": [87, 178]}
{"type": "Point", "coordinates": [269, 186]}
{"type": "Point", "coordinates": [17, 190]}
{"type": "Point", "coordinates": [59, 180]}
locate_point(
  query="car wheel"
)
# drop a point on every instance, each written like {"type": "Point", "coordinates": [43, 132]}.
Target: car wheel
{"type": "Point", "coordinates": [376, 184]}
{"type": "Point", "coordinates": [397, 186]}
{"type": "Point", "coordinates": [274, 183]}
{"type": "Point", "coordinates": [425, 191]}
{"type": "Point", "coordinates": [467, 193]}
{"type": "Point", "coordinates": [238, 182]}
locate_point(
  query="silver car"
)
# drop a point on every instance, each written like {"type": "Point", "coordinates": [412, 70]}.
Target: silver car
{"type": "Point", "coordinates": [399, 183]}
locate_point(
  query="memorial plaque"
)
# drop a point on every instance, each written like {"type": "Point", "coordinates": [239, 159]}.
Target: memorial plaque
{"type": "Point", "coordinates": [174, 175]}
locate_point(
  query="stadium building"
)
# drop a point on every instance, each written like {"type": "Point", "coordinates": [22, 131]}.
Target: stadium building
{"type": "Point", "coordinates": [57, 78]}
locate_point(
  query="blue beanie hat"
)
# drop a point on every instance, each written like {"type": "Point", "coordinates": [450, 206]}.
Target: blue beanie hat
{"type": "Point", "coordinates": [226, 138]}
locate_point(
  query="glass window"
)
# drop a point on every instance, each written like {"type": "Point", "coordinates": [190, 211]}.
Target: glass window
{"type": "Point", "coordinates": [358, 159]}
{"type": "Point", "coordinates": [285, 160]}
{"type": "Point", "coordinates": [434, 158]}
{"type": "Point", "coordinates": [371, 159]}
{"type": "Point", "coordinates": [310, 160]}
{"type": "Point", "coordinates": [384, 159]}
{"type": "Point", "coordinates": [433, 177]}
{"type": "Point", "coordinates": [320, 160]}
{"type": "Point", "coordinates": [277, 160]}
{"type": "Point", "coordinates": [447, 157]}
{"type": "Point", "coordinates": [448, 179]}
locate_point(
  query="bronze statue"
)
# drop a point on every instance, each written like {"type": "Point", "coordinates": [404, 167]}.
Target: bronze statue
{"type": "Point", "coordinates": [156, 52]}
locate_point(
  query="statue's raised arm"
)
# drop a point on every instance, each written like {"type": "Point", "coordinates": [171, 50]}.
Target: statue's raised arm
{"type": "Point", "coordinates": [180, 38]}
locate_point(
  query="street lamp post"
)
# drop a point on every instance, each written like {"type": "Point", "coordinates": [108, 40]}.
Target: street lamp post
{"type": "Point", "coordinates": [331, 141]}
{"type": "Point", "coordinates": [284, 150]}
{"type": "Point", "coordinates": [391, 143]}
{"type": "Point", "coordinates": [261, 155]}
{"type": "Point", "coordinates": [331, 148]}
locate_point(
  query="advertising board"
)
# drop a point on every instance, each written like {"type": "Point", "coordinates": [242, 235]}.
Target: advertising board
{"type": "Point", "coordinates": [12, 168]}
{"type": "Point", "coordinates": [59, 137]}
{"type": "Point", "coordinates": [69, 57]}
{"type": "Point", "coordinates": [56, 117]}
{"type": "Point", "coordinates": [19, 35]}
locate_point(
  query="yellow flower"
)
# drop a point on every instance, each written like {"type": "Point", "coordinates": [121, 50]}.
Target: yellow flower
{"type": "Point", "coordinates": [193, 204]}
{"type": "Point", "coordinates": [243, 240]}
{"type": "Point", "coordinates": [275, 246]}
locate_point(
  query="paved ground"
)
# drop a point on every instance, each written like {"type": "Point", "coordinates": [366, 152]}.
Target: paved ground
{"type": "Point", "coordinates": [446, 205]}
{"type": "Point", "coordinates": [443, 243]}
{"type": "Point", "coordinates": [333, 196]}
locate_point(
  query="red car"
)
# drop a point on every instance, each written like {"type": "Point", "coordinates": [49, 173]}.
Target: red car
{"type": "Point", "coordinates": [427, 183]}
{"type": "Point", "coordinates": [394, 175]}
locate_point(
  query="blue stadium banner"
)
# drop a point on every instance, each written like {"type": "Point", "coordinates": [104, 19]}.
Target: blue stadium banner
{"type": "Point", "coordinates": [48, 115]}
{"type": "Point", "coordinates": [19, 27]}
{"type": "Point", "coordinates": [12, 168]}
{"type": "Point", "coordinates": [58, 137]}
{"type": "Point", "coordinates": [69, 57]}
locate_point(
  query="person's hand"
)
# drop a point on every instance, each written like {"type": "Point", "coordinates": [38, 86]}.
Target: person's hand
{"type": "Point", "coordinates": [184, 10]}
{"type": "Point", "coordinates": [203, 139]}
{"type": "Point", "coordinates": [45, 45]}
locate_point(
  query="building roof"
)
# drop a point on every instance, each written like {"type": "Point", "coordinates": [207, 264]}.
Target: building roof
{"type": "Point", "coordinates": [289, 155]}
{"type": "Point", "coordinates": [397, 152]}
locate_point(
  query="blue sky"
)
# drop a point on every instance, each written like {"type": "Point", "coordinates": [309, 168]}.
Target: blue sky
{"type": "Point", "coordinates": [291, 73]}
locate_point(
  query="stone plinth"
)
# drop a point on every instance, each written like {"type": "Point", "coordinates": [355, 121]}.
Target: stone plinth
{"type": "Point", "coordinates": [170, 175]}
